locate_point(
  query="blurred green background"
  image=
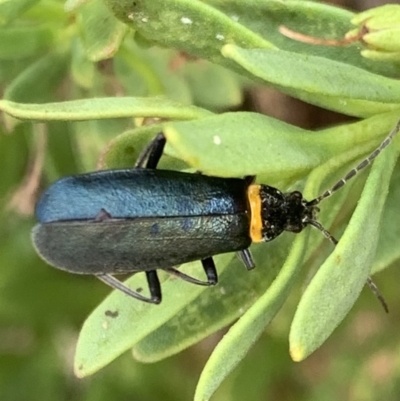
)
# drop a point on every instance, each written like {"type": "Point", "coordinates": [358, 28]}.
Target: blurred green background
{"type": "Point", "coordinates": [42, 309]}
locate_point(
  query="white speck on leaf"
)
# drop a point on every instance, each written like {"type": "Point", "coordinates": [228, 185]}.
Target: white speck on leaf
{"type": "Point", "coordinates": [219, 36]}
{"type": "Point", "coordinates": [217, 140]}
{"type": "Point", "coordinates": [235, 17]}
{"type": "Point", "coordinates": [186, 21]}
{"type": "Point", "coordinates": [131, 16]}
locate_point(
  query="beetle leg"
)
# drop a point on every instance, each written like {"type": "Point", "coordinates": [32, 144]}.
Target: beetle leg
{"type": "Point", "coordinates": [152, 153]}
{"type": "Point", "coordinates": [154, 286]}
{"type": "Point", "coordinates": [187, 278]}
{"type": "Point", "coordinates": [210, 270]}
{"type": "Point", "coordinates": [249, 179]}
{"type": "Point", "coordinates": [246, 258]}
{"type": "Point", "coordinates": [116, 284]}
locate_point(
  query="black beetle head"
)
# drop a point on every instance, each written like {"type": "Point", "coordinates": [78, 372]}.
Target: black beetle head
{"type": "Point", "coordinates": [284, 212]}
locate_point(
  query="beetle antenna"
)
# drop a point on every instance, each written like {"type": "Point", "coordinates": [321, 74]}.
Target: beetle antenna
{"type": "Point", "coordinates": [377, 293]}
{"type": "Point", "coordinates": [352, 173]}
{"type": "Point", "coordinates": [326, 233]}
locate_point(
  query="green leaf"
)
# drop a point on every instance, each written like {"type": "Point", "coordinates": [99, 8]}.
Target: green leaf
{"type": "Point", "coordinates": [226, 89]}
{"type": "Point", "coordinates": [102, 33]}
{"type": "Point", "coordinates": [37, 82]}
{"type": "Point", "coordinates": [83, 71]}
{"type": "Point", "coordinates": [92, 137]}
{"type": "Point", "coordinates": [72, 5]}
{"type": "Point", "coordinates": [10, 10]}
{"type": "Point", "coordinates": [311, 18]}
{"type": "Point", "coordinates": [191, 26]}
{"type": "Point", "coordinates": [201, 28]}
{"type": "Point", "coordinates": [14, 151]}
{"type": "Point", "coordinates": [241, 143]}
{"type": "Point", "coordinates": [339, 281]}
{"type": "Point", "coordinates": [104, 337]}
{"type": "Point", "coordinates": [124, 150]}
{"type": "Point", "coordinates": [237, 290]}
{"type": "Point", "coordinates": [148, 72]}
{"type": "Point", "coordinates": [320, 81]}
{"type": "Point", "coordinates": [31, 86]}
{"type": "Point", "coordinates": [378, 18]}
{"type": "Point", "coordinates": [242, 335]}
{"type": "Point", "coordinates": [100, 108]}
{"type": "Point", "coordinates": [23, 42]}
{"type": "Point", "coordinates": [388, 250]}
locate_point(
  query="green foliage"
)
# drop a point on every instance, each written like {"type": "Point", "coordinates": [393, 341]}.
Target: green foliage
{"type": "Point", "coordinates": [78, 80]}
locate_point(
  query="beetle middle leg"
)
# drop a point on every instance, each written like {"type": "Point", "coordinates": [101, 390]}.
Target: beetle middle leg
{"type": "Point", "coordinates": [153, 282]}
{"type": "Point", "coordinates": [209, 268]}
{"type": "Point", "coordinates": [152, 153]}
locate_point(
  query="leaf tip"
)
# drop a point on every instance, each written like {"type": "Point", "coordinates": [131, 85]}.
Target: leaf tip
{"type": "Point", "coordinates": [227, 50]}
{"type": "Point", "coordinates": [297, 353]}
{"type": "Point", "coordinates": [80, 370]}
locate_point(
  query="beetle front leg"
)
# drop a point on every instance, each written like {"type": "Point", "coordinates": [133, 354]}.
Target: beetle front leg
{"type": "Point", "coordinates": [246, 258]}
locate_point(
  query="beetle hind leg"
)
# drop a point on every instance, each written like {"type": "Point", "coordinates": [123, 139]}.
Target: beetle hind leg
{"type": "Point", "coordinates": [209, 268]}
{"type": "Point", "coordinates": [152, 279]}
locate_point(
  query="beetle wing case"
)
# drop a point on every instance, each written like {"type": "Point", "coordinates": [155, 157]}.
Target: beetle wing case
{"type": "Point", "coordinates": [121, 246]}
{"type": "Point", "coordinates": [141, 193]}
{"type": "Point", "coordinates": [157, 219]}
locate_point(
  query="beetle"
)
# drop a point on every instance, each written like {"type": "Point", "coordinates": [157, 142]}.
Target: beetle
{"type": "Point", "coordinates": [144, 219]}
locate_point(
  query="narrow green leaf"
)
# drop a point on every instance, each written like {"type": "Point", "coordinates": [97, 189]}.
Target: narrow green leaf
{"type": "Point", "coordinates": [105, 336]}
{"type": "Point", "coordinates": [242, 335]}
{"type": "Point", "coordinates": [100, 108]}
{"type": "Point", "coordinates": [388, 250]}
{"type": "Point", "coordinates": [320, 81]}
{"type": "Point", "coordinates": [339, 281]}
